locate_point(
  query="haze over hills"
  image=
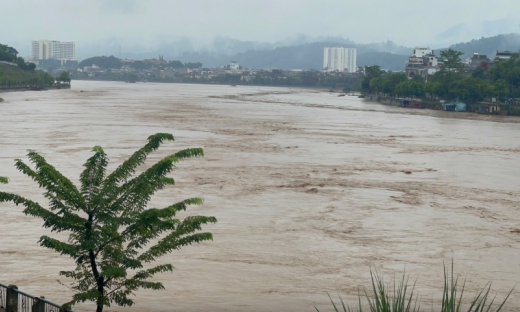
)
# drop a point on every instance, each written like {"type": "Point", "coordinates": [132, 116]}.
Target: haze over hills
{"type": "Point", "coordinates": [304, 56]}
{"type": "Point", "coordinates": [304, 52]}
{"type": "Point", "coordinates": [489, 46]}
{"type": "Point", "coordinates": [475, 29]}
{"type": "Point", "coordinates": [388, 55]}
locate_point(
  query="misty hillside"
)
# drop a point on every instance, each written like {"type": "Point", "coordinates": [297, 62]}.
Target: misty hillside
{"type": "Point", "coordinates": [309, 55]}
{"type": "Point", "coordinates": [388, 55]}
{"type": "Point", "coordinates": [475, 29]}
{"type": "Point", "coordinates": [304, 56]}
{"type": "Point", "coordinates": [489, 46]}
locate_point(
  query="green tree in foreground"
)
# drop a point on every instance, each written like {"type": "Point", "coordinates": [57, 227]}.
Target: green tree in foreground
{"type": "Point", "coordinates": [109, 224]}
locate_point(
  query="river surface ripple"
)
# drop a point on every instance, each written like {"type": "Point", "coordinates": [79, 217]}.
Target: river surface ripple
{"type": "Point", "coordinates": [310, 190]}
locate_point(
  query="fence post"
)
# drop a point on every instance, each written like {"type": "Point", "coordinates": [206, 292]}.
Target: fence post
{"type": "Point", "coordinates": [38, 305]}
{"type": "Point", "coordinates": [11, 298]}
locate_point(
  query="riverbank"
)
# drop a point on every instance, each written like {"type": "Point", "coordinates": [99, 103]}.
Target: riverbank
{"type": "Point", "coordinates": [319, 88]}
{"type": "Point", "coordinates": [34, 88]}
{"type": "Point", "coordinates": [502, 109]}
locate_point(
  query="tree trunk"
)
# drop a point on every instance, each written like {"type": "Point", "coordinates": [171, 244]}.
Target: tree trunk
{"type": "Point", "coordinates": [99, 308]}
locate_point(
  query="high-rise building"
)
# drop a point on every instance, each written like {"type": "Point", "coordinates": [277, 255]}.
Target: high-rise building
{"type": "Point", "coordinates": [50, 49]}
{"type": "Point", "coordinates": [340, 59]}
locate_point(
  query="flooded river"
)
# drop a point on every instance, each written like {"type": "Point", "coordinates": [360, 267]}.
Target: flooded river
{"type": "Point", "coordinates": [310, 190]}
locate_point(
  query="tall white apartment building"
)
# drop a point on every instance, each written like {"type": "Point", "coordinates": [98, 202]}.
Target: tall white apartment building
{"type": "Point", "coordinates": [340, 59]}
{"type": "Point", "coordinates": [50, 49]}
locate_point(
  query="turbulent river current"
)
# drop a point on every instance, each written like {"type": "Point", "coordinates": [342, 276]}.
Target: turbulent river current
{"type": "Point", "coordinates": [310, 190]}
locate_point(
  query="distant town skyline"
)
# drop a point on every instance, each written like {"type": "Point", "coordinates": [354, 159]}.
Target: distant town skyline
{"type": "Point", "coordinates": [140, 25]}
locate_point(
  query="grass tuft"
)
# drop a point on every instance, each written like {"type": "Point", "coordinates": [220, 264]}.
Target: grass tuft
{"type": "Point", "coordinates": [400, 297]}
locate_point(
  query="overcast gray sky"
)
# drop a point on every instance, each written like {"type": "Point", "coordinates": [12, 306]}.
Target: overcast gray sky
{"type": "Point", "coordinates": [146, 23]}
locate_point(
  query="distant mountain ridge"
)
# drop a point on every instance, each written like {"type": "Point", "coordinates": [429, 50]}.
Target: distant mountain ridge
{"type": "Point", "coordinates": [388, 55]}
{"type": "Point", "coordinates": [489, 46]}
{"type": "Point", "coordinates": [301, 54]}
{"type": "Point", "coordinates": [464, 32]}
{"type": "Point", "coordinates": [304, 56]}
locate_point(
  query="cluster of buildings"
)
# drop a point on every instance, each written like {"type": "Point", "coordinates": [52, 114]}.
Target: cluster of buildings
{"type": "Point", "coordinates": [58, 54]}
{"type": "Point", "coordinates": [156, 70]}
{"type": "Point", "coordinates": [336, 60]}
{"type": "Point", "coordinates": [423, 62]}
{"type": "Point", "coordinates": [161, 70]}
{"type": "Point", "coordinates": [52, 53]}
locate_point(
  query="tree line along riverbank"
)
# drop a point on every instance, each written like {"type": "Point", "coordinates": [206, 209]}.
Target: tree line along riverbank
{"type": "Point", "coordinates": [498, 85]}
{"type": "Point", "coordinates": [512, 109]}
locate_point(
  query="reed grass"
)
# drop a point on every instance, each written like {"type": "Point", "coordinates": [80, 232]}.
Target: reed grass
{"type": "Point", "coordinates": [400, 296]}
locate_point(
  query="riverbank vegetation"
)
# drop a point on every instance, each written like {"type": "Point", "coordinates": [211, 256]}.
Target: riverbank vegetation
{"type": "Point", "coordinates": [9, 54]}
{"type": "Point", "coordinates": [308, 79]}
{"type": "Point", "coordinates": [400, 296]}
{"type": "Point", "coordinates": [15, 72]}
{"type": "Point", "coordinates": [292, 79]}
{"type": "Point", "coordinates": [501, 81]}
{"type": "Point", "coordinates": [12, 76]}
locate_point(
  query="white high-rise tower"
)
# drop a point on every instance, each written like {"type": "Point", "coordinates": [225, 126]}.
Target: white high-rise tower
{"type": "Point", "coordinates": [50, 49]}
{"type": "Point", "coordinates": [340, 59]}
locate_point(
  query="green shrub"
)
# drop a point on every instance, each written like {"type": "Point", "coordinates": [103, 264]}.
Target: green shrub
{"type": "Point", "coordinates": [400, 297]}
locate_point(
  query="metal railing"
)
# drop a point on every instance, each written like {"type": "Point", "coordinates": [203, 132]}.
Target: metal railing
{"type": "Point", "coordinates": [3, 290]}
{"type": "Point", "coordinates": [14, 300]}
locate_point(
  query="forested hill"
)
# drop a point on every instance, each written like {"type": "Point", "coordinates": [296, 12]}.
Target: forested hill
{"type": "Point", "coordinates": [102, 62]}
{"type": "Point", "coordinates": [305, 56]}
{"type": "Point", "coordinates": [490, 45]}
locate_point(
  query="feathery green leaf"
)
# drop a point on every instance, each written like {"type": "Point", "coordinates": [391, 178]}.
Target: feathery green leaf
{"type": "Point", "coordinates": [109, 223]}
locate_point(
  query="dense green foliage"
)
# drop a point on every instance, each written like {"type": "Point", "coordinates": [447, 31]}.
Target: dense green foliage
{"type": "Point", "coordinates": [501, 81]}
{"type": "Point", "coordinates": [6, 55]}
{"type": "Point", "coordinates": [301, 79]}
{"type": "Point", "coordinates": [23, 74]}
{"type": "Point", "coordinates": [64, 77]}
{"type": "Point", "coordinates": [451, 65]}
{"type": "Point", "coordinates": [104, 62]}
{"type": "Point", "coordinates": [108, 222]}
{"type": "Point", "coordinates": [371, 72]}
{"type": "Point", "coordinates": [112, 62]}
{"type": "Point", "coordinates": [401, 298]}
{"type": "Point", "coordinates": [507, 71]}
{"type": "Point", "coordinates": [263, 78]}
{"type": "Point", "coordinates": [12, 76]}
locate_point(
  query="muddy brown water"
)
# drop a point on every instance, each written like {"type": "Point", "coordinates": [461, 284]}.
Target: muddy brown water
{"type": "Point", "coordinates": [310, 190]}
